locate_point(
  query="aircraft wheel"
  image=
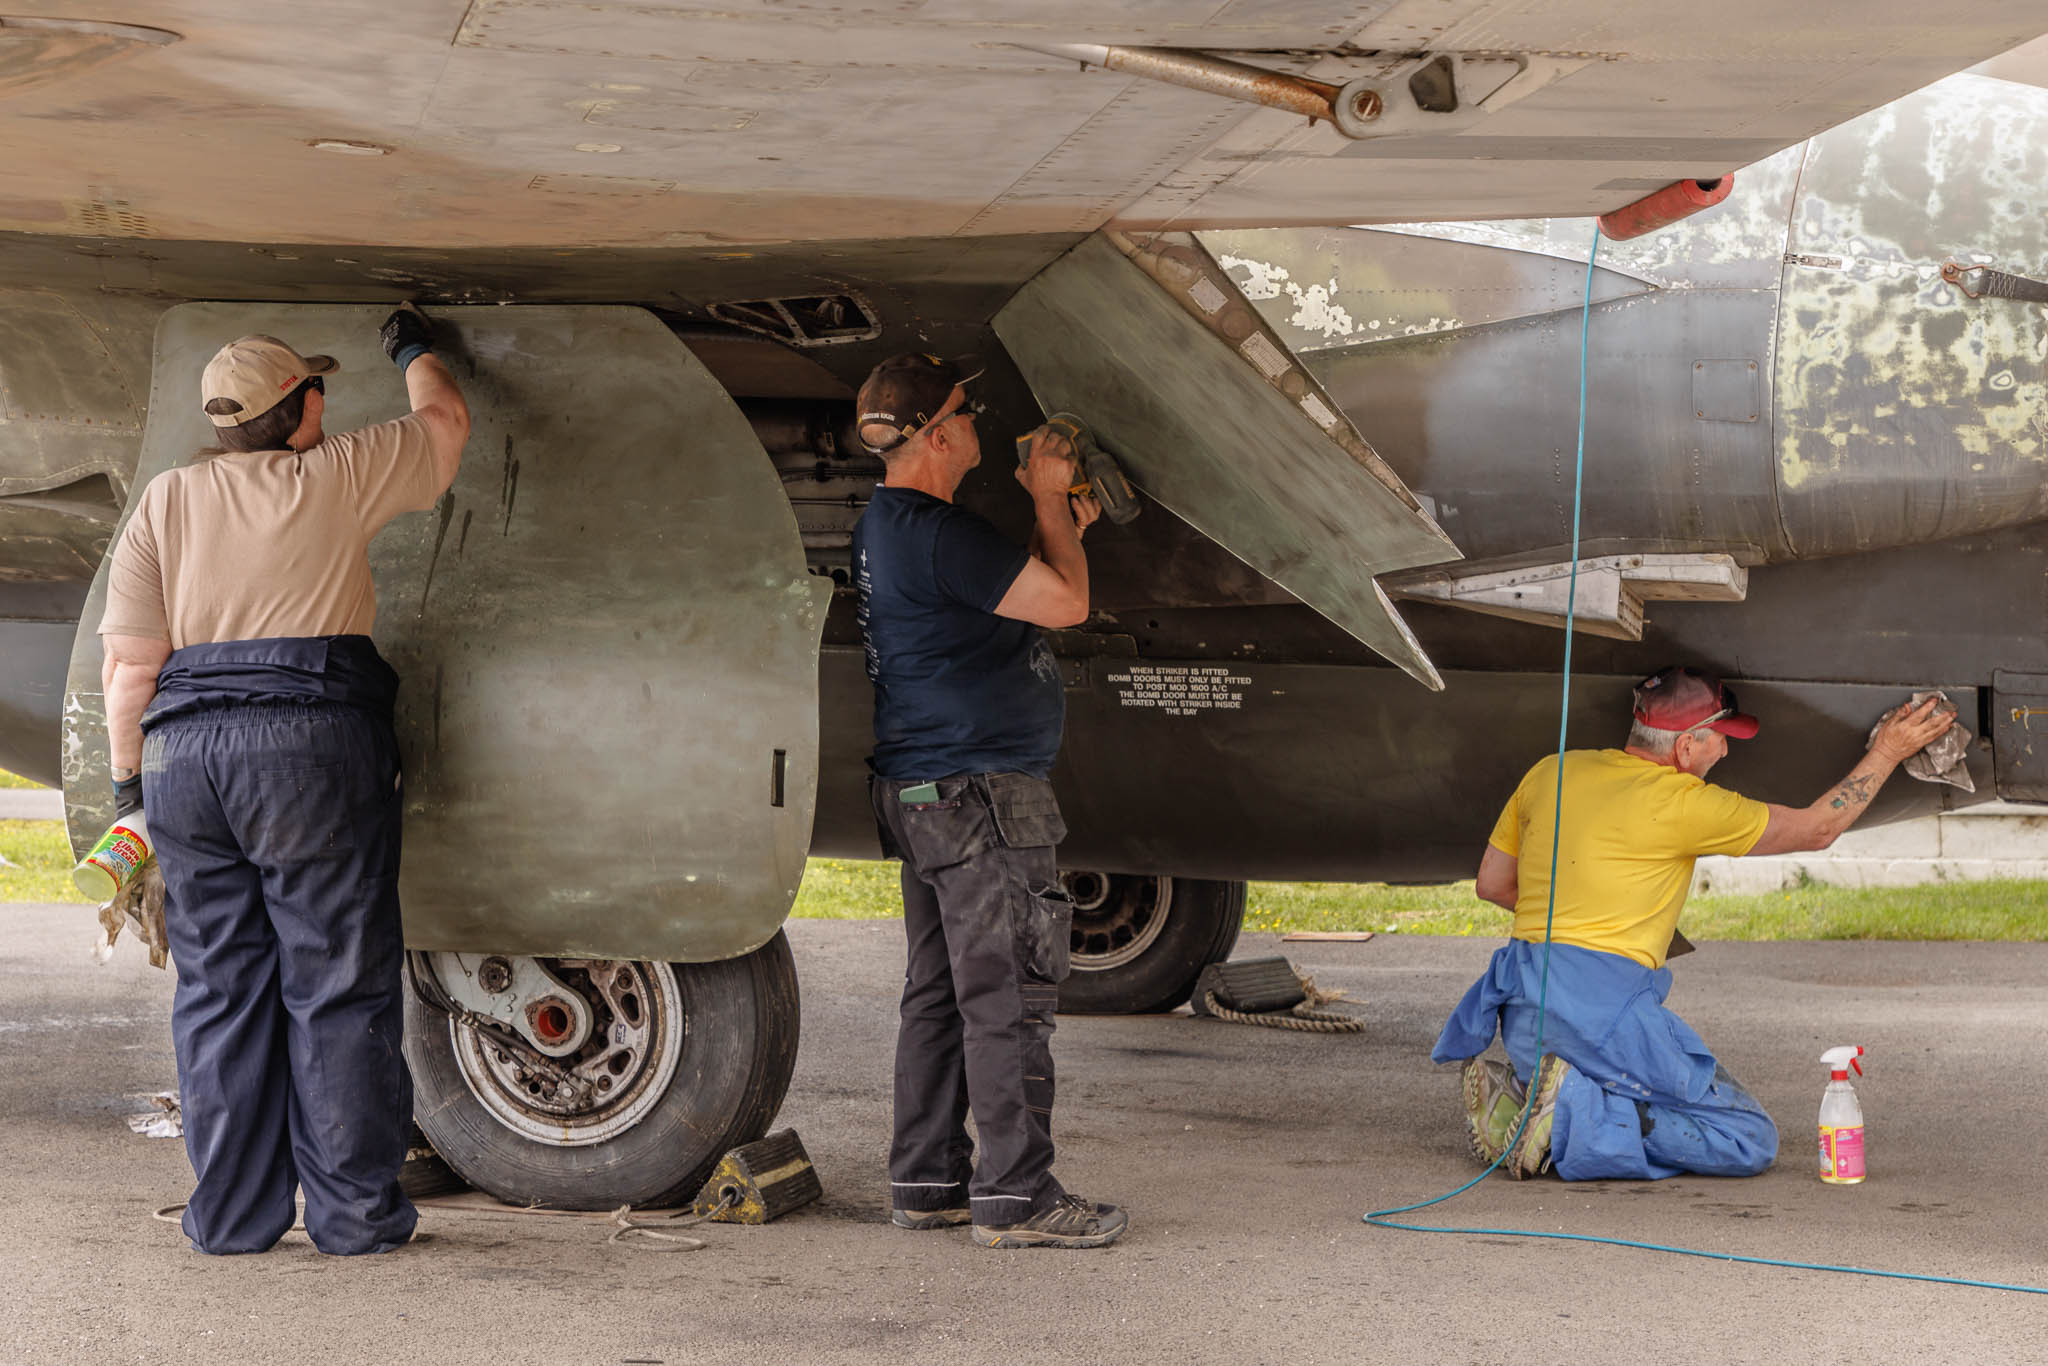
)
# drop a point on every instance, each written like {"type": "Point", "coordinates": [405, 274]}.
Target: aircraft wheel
{"type": "Point", "coordinates": [684, 1062]}
{"type": "Point", "coordinates": [1140, 942]}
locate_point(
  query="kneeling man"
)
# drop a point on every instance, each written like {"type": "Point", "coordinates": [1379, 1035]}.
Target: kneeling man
{"type": "Point", "coordinates": [1623, 1087]}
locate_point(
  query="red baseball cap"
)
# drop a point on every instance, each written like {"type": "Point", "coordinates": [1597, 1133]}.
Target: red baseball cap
{"type": "Point", "coordinates": [1682, 698]}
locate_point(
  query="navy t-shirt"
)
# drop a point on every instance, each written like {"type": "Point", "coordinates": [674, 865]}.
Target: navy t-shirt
{"type": "Point", "coordinates": [958, 689]}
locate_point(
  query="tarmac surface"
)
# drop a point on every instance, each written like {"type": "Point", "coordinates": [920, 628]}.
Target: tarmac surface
{"type": "Point", "coordinates": [31, 804]}
{"type": "Point", "coordinates": [1245, 1155]}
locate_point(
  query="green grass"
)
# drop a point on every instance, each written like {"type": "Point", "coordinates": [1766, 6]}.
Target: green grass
{"type": "Point", "coordinates": [42, 859]}
{"type": "Point", "coordinates": [2008, 911]}
{"type": "Point", "coordinates": [837, 889]}
{"type": "Point", "coordinates": [1447, 909]}
{"type": "Point", "coordinates": [849, 889]}
{"type": "Point", "coordinates": [842, 889]}
{"type": "Point", "coordinates": [15, 780]}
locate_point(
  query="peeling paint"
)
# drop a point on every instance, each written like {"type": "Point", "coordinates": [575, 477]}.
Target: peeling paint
{"type": "Point", "coordinates": [1322, 289]}
{"type": "Point", "coordinates": [1261, 280]}
{"type": "Point", "coordinates": [1907, 411]}
{"type": "Point", "coordinates": [1316, 310]}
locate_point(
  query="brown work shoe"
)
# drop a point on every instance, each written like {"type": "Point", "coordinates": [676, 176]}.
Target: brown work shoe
{"type": "Point", "coordinates": [1493, 1098]}
{"type": "Point", "coordinates": [1072, 1222]}
{"type": "Point", "coordinates": [930, 1218]}
{"type": "Point", "coordinates": [1530, 1155]}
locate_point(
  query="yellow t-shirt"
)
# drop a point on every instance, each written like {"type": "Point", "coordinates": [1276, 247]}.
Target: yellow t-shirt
{"type": "Point", "coordinates": [1631, 832]}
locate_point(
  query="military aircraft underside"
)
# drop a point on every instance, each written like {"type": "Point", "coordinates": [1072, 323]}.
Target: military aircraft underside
{"type": "Point", "coordinates": [669, 240]}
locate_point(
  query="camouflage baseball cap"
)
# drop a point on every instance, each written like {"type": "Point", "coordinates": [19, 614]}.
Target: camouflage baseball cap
{"type": "Point", "coordinates": [904, 393]}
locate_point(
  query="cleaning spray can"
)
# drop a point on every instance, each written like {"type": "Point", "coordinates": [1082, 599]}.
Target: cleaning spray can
{"type": "Point", "coordinates": [1841, 1119]}
{"type": "Point", "coordinates": [124, 848]}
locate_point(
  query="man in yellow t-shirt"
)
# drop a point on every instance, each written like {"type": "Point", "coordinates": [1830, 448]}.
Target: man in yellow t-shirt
{"type": "Point", "coordinates": [1621, 1086]}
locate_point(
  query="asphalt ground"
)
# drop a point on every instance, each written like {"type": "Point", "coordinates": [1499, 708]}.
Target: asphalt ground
{"type": "Point", "coordinates": [31, 804]}
{"type": "Point", "coordinates": [1245, 1156]}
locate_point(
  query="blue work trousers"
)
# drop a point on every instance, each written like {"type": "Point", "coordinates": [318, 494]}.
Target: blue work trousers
{"type": "Point", "coordinates": [1645, 1097]}
{"type": "Point", "coordinates": [275, 811]}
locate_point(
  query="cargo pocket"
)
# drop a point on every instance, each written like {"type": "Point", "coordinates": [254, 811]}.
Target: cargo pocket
{"type": "Point", "coordinates": [1045, 926]}
{"type": "Point", "coordinates": [1026, 812]}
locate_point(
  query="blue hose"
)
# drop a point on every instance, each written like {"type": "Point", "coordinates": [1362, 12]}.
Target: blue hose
{"type": "Point", "coordinates": [1379, 1218]}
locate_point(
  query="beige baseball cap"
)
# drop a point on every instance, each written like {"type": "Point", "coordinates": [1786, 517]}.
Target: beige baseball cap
{"type": "Point", "coordinates": [251, 375]}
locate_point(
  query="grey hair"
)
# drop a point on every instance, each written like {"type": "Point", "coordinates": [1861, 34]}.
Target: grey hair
{"type": "Point", "coordinates": [1659, 744]}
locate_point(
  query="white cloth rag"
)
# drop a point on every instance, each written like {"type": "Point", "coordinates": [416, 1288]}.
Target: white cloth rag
{"type": "Point", "coordinates": [1941, 761]}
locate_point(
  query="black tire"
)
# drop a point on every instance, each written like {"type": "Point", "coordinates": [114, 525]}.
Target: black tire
{"type": "Point", "coordinates": [740, 1023]}
{"type": "Point", "coordinates": [1200, 927]}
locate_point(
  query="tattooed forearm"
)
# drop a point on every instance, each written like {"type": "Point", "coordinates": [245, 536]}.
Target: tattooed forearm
{"type": "Point", "coordinates": [1854, 791]}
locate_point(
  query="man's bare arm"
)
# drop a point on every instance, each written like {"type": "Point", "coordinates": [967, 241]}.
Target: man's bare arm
{"type": "Point", "coordinates": [435, 397]}
{"type": "Point", "coordinates": [128, 680]}
{"type": "Point", "coordinates": [1085, 511]}
{"type": "Point", "coordinates": [1498, 878]}
{"type": "Point", "coordinates": [1053, 589]}
{"type": "Point", "coordinates": [1815, 827]}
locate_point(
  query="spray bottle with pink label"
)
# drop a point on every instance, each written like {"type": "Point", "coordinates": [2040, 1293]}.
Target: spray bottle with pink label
{"type": "Point", "coordinates": [1841, 1119]}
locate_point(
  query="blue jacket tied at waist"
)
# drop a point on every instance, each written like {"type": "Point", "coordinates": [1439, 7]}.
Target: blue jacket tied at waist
{"type": "Point", "coordinates": [1603, 1013]}
{"type": "Point", "coordinates": [1645, 1098]}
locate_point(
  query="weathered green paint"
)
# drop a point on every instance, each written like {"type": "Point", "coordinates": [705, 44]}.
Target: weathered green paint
{"type": "Point", "coordinates": [1908, 412]}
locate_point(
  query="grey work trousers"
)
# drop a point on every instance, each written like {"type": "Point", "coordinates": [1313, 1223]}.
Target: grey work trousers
{"type": "Point", "coordinates": [987, 924]}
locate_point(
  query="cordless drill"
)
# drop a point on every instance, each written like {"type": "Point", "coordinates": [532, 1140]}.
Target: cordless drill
{"type": "Point", "coordinates": [1100, 478]}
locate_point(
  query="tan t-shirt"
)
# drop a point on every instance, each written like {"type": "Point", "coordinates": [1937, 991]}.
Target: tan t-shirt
{"type": "Point", "coordinates": [267, 543]}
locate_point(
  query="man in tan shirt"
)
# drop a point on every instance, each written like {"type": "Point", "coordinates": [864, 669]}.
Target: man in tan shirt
{"type": "Point", "coordinates": [249, 711]}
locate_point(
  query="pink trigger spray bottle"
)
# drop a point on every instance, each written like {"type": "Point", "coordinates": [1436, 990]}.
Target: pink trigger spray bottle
{"type": "Point", "coordinates": [1841, 1119]}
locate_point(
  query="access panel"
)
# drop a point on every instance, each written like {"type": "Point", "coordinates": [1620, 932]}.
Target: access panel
{"type": "Point", "coordinates": [606, 633]}
{"type": "Point", "coordinates": [1153, 345]}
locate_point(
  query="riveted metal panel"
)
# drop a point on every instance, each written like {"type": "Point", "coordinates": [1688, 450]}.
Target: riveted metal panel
{"type": "Point", "coordinates": [1219, 433]}
{"type": "Point", "coordinates": [606, 633]}
{"type": "Point", "coordinates": [1497, 455]}
{"type": "Point", "coordinates": [2019, 735]}
{"type": "Point", "coordinates": [1725, 391]}
{"type": "Point", "coordinates": [1248, 769]}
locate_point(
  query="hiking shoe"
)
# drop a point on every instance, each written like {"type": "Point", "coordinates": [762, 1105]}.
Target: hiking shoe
{"type": "Point", "coordinates": [930, 1218]}
{"type": "Point", "coordinates": [1073, 1222]}
{"type": "Point", "coordinates": [1530, 1156]}
{"type": "Point", "coordinates": [1492, 1100]}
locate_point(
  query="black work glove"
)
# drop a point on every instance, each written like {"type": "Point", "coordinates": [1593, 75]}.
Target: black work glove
{"type": "Point", "coordinates": [127, 797]}
{"type": "Point", "coordinates": [407, 335]}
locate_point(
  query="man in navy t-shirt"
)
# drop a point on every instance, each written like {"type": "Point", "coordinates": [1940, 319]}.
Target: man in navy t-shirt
{"type": "Point", "coordinates": [968, 713]}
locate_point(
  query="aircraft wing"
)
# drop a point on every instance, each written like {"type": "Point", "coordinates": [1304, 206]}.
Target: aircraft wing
{"type": "Point", "coordinates": [461, 123]}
